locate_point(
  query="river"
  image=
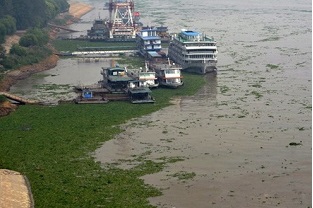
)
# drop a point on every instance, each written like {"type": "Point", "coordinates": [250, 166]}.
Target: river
{"type": "Point", "coordinates": [234, 136]}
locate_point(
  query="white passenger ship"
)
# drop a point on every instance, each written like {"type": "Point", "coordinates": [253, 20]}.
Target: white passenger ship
{"type": "Point", "coordinates": [195, 52]}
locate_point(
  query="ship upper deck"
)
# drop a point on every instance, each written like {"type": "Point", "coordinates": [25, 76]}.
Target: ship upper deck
{"type": "Point", "coordinates": [193, 36]}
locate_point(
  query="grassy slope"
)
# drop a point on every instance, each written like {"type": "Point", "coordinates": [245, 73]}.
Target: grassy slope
{"type": "Point", "coordinates": [52, 146]}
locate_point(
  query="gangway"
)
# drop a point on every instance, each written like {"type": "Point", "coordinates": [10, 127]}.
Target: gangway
{"type": "Point", "coordinates": [63, 28]}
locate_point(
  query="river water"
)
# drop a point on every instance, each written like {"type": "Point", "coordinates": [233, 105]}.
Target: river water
{"type": "Point", "coordinates": [234, 135]}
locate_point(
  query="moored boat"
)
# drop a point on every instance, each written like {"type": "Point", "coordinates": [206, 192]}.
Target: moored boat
{"type": "Point", "coordinates": [91, 97]}
{"type": "Point", "coordinates": [115, 79]}
{"type": "Point", "coordinates": [147, 40]}
{"type": "Point", "coordinates": [194, 51]}
{"type": "Point", "coordinates": [145, 77]}
{"type": "Point", "coordinates": [139, 94]}
{"type": "Point", "coordinates": [167, 72]}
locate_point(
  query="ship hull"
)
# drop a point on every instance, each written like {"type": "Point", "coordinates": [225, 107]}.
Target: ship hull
{"type": "Point", "coordinates": [200, 68]}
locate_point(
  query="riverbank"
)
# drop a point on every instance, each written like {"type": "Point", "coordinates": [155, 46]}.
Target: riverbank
{"type": "Point", "coordinates": [76, 10]}
{"type": "Point", "coordinates": [10, 78]}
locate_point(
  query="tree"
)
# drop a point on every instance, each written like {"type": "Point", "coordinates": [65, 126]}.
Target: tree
{"type": "Point", "coordinates": [28, 40]}
{"type": "Point", "coordinates": [41, 35]}
{"type": "Point", "coordinates": [18, 50]}
{"type": "Point", "coordinates": [3, 32]}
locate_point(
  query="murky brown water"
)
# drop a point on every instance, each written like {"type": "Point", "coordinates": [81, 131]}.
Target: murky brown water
{"type": "Point", "coordinates": [233, 135]}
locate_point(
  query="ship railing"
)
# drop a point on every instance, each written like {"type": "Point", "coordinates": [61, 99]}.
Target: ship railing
{"type": "Point", "coordinates": [199, 52]}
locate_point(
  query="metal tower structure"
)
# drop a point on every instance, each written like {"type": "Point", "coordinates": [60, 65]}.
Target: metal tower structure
{"type": "Point", "coordinates": [121, 22]}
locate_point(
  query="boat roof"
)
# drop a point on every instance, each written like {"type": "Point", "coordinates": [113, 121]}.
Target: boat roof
{"type": "Point", "coordinates": [190, 36]}
{"type": "Point", "coordinates": [150, 37]}
{"type": "Point", "coordinates": [190, 33]}
{"type": "Point", "coordinates": [148, 29]}
{"type": "Point", "coordinates": [114, 78]}
{"type": "Point", "coordinates": [115, 68]}
{"type": "Point", "coordinates": [154, 54]}
{"type": "Point", "coordinates": [139, 90]}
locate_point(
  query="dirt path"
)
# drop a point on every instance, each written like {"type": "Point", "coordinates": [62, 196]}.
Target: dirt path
{"type": "Point", "coordinates": [10, 40]}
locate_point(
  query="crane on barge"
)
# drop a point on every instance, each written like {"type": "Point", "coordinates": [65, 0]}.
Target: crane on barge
{"type": "Point", "coordinates": [122, 22]}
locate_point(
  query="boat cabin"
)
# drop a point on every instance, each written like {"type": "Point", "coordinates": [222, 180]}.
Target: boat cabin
{"type": "Point", "coordinates": [148, 40]}
{"type": "Point", "coordinates": [115, 79]}
{"type": "Point", "coordinates": [138, 94]}
{"type": "Point", "coordinates": [148, 79]}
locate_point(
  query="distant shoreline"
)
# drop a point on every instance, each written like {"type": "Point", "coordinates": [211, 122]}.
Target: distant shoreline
{"type": "Point", "coordinates": [77, 10]}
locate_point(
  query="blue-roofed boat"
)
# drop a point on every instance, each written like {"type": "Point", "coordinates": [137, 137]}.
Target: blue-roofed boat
{"type": "Point", "coordinates": [194, 51]}
{"type": "Point", "coordinates": [147, 40]}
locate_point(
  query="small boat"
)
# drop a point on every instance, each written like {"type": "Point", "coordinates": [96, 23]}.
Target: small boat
{"type": "Point", "coordinates": [139, 94]}
{"type": "Point", "coordinates": [88, 97]}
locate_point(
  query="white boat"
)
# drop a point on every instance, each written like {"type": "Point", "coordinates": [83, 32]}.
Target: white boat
{"type": "Point", "coordinates": [168, 73]}
{"type": "Point", "coordinates": [145, 77]}
{"type": "Point", "coordinates": [194, 51]}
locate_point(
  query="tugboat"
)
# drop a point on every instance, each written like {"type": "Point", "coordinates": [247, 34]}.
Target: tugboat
{"type": "Point", "coordinates": [195, 52]}
{"type": "Point", "coordinates": [99, 30]}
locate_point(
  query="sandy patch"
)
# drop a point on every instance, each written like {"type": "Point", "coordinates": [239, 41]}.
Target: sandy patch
{"type": "Point", "coordinates": [78, 9]}
{"type": "Point", "coordinates": [14, 190]}
{"type": "Point", "coordinates": [10, 40]}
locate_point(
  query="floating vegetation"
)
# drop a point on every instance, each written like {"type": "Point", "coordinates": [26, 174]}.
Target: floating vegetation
{"type": "Point", "coordinates": [164, 132]}
{"type": "Point", "coordinates": [301, 128]}
{"type": "Point", "coordinates": [224, 89]}
{"type": "Point", "coordinates": [269, 39]}
{"type": "Point", "coordinates": [52, 87]}
{"type": "Point", "coordinates": [272, 66]}
{"type": "Point", "coordinates": [183, 175]}
{"type": "Point", "coordinates": [257, 85]}
{"type": "Point", "coordinates": [172, 159]}
{"type": "Point", "coordinates": [257, 94]}
{"type": "Point", "coordinates": [295, 143]}
{"type": "Point", "coordinates": [249, 46]}
{"type": "Point", "coordinates": [168, 140]}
